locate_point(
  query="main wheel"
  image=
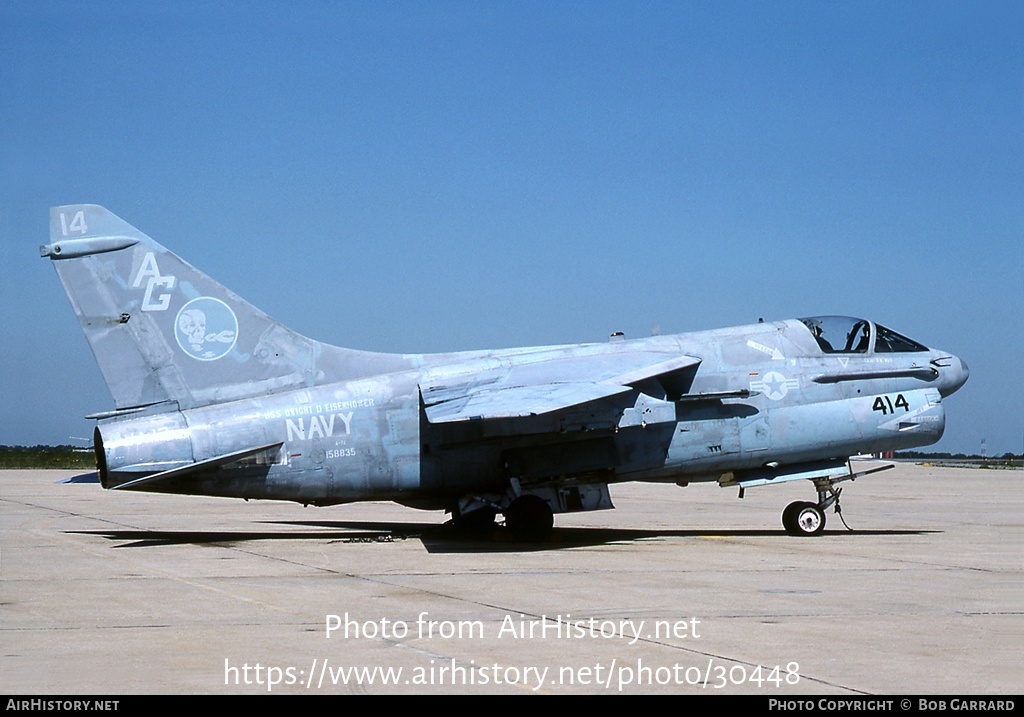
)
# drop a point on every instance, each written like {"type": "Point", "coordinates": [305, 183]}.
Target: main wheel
{"type": "Point", "coordinates": [802, 518]}
{"type": "Point", "coordinates": [529, 517]}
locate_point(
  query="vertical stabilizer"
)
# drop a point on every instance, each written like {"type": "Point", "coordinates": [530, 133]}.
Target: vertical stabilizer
{"type": "Point", "coordinates": [162, 330]}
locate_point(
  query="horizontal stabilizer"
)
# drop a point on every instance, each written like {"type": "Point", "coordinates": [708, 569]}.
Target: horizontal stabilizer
{"type": "Point", "coordinates": [92, 477]}
{"type": "Point", "coordinates": [200, 467]}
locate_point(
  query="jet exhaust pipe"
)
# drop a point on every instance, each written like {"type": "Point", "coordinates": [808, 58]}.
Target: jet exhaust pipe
{"type": "Point", "coordinates": [127, 449]}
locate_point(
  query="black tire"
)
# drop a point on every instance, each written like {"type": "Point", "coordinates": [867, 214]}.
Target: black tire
{"type": "Point", "coordinates": [789, 517]}
{"type": "Point", "coordinates": [804, 519]}
{"type": "Point", "coordinates": [529, 518]}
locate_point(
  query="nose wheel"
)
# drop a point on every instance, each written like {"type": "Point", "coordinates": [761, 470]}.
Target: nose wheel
{"type": "Point", "coordinates": [803, 518]}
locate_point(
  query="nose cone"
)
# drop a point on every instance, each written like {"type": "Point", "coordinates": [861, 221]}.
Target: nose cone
{"type": "Point", "coordinates": [952, 376]}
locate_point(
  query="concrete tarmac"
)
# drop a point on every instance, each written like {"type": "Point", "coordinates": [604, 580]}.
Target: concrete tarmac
{"type": "Point", "coordinates": [678, 590]}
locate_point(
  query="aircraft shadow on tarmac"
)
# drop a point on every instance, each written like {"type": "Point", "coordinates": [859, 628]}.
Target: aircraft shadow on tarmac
{"type": "Point", "coordinates": [444, 538]}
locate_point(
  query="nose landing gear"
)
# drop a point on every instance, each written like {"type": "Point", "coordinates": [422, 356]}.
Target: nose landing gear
{"type": "Point", "coordinates": [804, 518]}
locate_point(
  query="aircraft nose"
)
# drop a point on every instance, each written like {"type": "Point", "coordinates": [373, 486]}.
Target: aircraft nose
{"type": "Point", "coordinates": [954, 376]}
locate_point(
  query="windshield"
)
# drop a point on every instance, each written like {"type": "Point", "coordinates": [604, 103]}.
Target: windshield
{"type": "Point", "coordinates": [888, 341]}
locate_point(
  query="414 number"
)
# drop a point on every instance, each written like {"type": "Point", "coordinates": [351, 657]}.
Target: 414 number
{"type": "Point", "coordinates": [886, 405]}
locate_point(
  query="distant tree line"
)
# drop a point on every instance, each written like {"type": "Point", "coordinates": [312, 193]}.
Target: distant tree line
{"type": "Point", "coordinates": [921, 455]}
{"type": "Point", "coordinates": [46, 457]}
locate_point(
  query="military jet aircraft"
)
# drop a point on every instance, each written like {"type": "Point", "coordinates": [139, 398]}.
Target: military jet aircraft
{"type": "Point", "coordinates": [214, 397]}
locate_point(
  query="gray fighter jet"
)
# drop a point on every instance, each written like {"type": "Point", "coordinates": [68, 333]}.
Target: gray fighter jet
{"type": "Point", "coordinates": [214, 397]}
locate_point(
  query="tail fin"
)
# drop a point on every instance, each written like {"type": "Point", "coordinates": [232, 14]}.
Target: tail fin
{"type": "Point", "coordinates": [163, 331]}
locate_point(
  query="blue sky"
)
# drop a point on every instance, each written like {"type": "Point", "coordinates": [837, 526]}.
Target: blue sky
{"type": "Point", "coordinates": [451, 175]}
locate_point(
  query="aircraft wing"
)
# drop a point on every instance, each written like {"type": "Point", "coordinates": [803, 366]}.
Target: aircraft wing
{"type": "Point", "coordinates": [518, 401]}
{"type": "Point", "coordinates": [548, 384]}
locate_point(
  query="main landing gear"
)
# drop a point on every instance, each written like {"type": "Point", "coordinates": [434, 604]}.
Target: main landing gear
{"type": "Point", "coordinates": [529, 518]}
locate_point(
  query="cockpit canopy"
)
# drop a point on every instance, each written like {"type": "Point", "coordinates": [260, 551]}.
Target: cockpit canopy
{"type": "Point", "coordinates": [849, 335]}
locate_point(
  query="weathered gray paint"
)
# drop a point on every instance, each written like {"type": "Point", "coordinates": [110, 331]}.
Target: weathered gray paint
{"type": "Point", "coordinates": [197, 374]}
